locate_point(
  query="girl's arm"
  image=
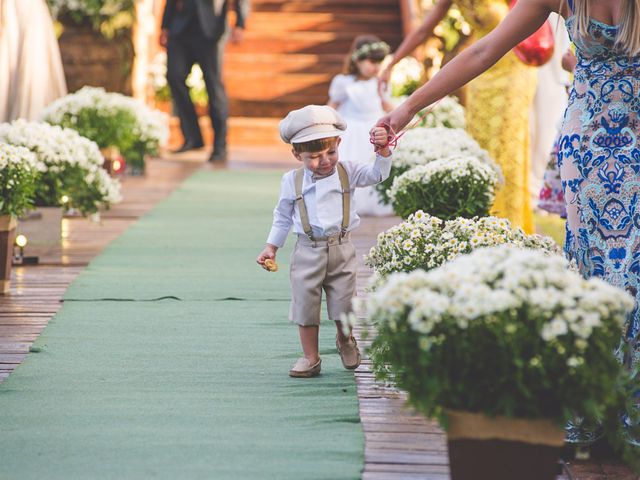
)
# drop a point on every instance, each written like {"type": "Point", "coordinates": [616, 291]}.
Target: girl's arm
{"type": "Point", "coordinates": [384, 92]}
{"type": "Point", "coordinates": [525, 18]}
{"type": "Point", "coordinates": [338, 90]}
{"type": "Point", "coordinates": [418, 36]}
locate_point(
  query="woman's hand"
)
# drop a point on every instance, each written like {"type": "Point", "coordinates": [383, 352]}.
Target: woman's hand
{"type": "Point", "coordinates": [397, 119]}
{"type": "Point", "coordinates": [269, 253]}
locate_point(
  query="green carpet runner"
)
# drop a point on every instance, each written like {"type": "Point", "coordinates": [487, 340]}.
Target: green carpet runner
{"type": "Point", "coordinates": [169, 359]}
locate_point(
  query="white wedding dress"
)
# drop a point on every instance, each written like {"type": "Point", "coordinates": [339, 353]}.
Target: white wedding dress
{"type": "Point", "coordinates": [360, 105]}
{"type": "Point", "coordinates": [31, 73]}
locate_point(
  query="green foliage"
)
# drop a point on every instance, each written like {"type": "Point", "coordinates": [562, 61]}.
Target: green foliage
{"type": "Point", "coordinates": [17, 189]}
{"type": "Point", "coordinates": [407, 88]}
{"type": "Point", "coordinates": [71, 181]}
{"type": "Point", "coordinates": [114, 127]}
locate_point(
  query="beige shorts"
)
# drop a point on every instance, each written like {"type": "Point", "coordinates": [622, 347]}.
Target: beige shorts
{"type": "Point", "coordinates": [326, 264]}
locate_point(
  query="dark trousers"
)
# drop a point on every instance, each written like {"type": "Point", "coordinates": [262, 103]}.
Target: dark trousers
{"type": "Point", "coordinates": [183, 51]}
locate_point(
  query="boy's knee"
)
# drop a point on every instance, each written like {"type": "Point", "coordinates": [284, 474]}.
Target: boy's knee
{"type": "Point", "coordinates": [306, 321]}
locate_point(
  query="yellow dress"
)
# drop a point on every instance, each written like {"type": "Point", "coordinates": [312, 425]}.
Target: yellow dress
{"type": "Point", "coordinates": [498, 106]}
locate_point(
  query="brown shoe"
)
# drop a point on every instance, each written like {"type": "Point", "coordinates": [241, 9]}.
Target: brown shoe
{"type": "Point", "coordinates": [303, 368]}
{"type": "Point", "coordinates": [349, 353]}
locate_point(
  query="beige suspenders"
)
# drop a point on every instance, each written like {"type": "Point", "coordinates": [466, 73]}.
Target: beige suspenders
{"type": "Point", "coordinates": [346, 201]}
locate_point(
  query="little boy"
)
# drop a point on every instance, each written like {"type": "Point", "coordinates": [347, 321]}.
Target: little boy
{"type": "Point", "coordinates": [317, 201]}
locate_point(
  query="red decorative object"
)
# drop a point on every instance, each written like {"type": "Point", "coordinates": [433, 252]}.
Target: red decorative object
{"type": "Point", "coordinates": [114, 162]}
{"type": "Point", "coordinates": [537, 49]}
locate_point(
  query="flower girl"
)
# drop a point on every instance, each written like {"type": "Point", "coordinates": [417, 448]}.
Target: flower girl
{"type": "Point", "coordinates": [361, 99]}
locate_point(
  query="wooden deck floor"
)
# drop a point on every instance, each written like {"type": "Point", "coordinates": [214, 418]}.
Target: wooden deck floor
{"type": "Point", "coordinates": [399, 443]}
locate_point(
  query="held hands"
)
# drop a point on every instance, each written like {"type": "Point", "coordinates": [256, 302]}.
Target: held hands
{"type": "Point", "coordinates": [380, 139]}
{"type": "Point", "coordinates": [267, 258]}
{"type": "Point", "coordinates": [396, 120]}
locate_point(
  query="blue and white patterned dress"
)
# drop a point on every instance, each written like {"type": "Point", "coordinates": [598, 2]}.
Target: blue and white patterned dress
{"type": "Point", "coordinates": [599, 159]}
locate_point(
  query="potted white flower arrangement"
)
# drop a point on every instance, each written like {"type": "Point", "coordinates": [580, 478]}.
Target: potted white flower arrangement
{"type": "Point", "coordinates": [461, 186]}
{"type": "Point", "coordinates": [426, 242]}
{"type": "Point", "coordinates": [19, 169]}
{"type": "Point", "coordinates": [503, 345]}
{"type": "Point", "coordinates": [420, 146]}
{"type": "Point", "coordinates": [71, 176]}
{"type": "Point", "coordinates": [96, 42]}
{"type": "Point", "coordinates": [112, 120]}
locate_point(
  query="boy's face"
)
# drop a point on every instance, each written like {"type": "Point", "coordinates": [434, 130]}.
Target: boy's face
{"type": "Point", "coordinates": [321, 162]}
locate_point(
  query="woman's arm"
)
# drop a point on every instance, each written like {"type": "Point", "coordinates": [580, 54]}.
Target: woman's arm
{"type": "Point", "coordinates": [418, 36]}
{"type": "Point", "coordinates": [525, 18]}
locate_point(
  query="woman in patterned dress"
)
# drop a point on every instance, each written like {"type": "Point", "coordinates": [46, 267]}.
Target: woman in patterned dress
{"type": "Point", "coordinates": [599, 149]}
{"type": "Point", "coordinates": [498, 105]}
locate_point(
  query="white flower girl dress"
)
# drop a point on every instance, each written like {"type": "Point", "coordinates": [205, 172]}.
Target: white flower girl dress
{"type": "Point", "coordinates": [360, 105]}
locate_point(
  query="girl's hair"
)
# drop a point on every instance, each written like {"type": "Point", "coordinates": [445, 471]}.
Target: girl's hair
{"type": "Point", "coordinates": [365, 47]}
{"type": "Point", "coordinates": [628, 39]}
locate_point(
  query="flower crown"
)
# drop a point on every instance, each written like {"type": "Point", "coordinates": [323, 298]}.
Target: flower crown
{"type": "Point", "coordinates": [363, 51]}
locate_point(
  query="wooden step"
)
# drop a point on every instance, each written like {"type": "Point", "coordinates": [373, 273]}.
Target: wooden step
{"type": "Point", "coordinates": [267, 86]}
{"type": "Point", "coordinates": [238, 66]}
{"type": "Point", "coordinates": [275, 108]}
{"type": "Point", "coordinates": [335, 6]}
{"type": "Point", "coordinates": [283, 63]}
{"type": "Point", "coordinates": [303, 42]}
{"type": "Point", "coordinates": [242, 131]}
{"type": "Point", "coordinates": [386, 22]}
{"type": "Point", "coordinates": [291, 51]}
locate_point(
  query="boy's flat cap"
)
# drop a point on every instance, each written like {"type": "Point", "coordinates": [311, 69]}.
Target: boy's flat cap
{"type": "Point", "coordinates": [312, 122]}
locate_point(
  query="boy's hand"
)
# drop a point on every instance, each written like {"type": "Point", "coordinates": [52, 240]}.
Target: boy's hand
{"type": "Point", "coordinates": [380, 138]}
{"type": "Point", "coordinates": [269, 253]}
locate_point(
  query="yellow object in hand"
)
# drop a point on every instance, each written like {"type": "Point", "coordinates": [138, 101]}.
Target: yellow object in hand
{"type": "Point", "coordinates": [271, 265]}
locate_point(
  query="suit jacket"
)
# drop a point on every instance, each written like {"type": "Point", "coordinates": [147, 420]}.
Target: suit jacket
{"type": "Point", "coordinates": [211, 14]}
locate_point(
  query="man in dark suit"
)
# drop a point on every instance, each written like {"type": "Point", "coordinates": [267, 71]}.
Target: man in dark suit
{"type": "Point", "coordinates": [193, 31]}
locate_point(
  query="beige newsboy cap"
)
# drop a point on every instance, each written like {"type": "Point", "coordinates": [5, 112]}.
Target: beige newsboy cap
{"type": "Point", "coordinates": [311, 123]}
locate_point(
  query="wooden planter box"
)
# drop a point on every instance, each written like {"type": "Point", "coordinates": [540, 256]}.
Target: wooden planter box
{"type": "Point", "coordinates": [502, 448]}
{"type": "Point", "coordinates": [7, 237]}
{"type": "Point", "coordinates": [42, 226]}
{"type": "Point", "coordinates": [91, 59]}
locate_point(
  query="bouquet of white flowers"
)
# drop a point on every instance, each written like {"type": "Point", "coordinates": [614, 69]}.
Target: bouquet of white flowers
{"type": "Point", "coordinates": [426, 242]}
{"type": "Point", "coordinates": [71, 166]}
{"type": "Point", "coordinates": [453, 187]}
{"type": "Point", "coordinates": [420, 146]}
{"type": "Point", "coordinates": [503, 332]}
{"type": "Point", "coordinates": [19, 168]}
{"type": "Point", "coordinates": [406, 77]}
{"type": "Point", "coordinates": [112, 120]}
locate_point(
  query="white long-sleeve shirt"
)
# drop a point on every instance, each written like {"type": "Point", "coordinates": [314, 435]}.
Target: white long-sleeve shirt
{"type": "Point", "coordinates": [323, 199]}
